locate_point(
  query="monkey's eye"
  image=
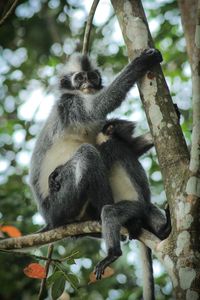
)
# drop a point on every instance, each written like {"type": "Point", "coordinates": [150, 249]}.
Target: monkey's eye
{"type": "Point", "coordinates": [65, 82]}
{"type": "Point", "coordinates": [93, 76]}
{"type": "Point", "coordinates": [79, 77]}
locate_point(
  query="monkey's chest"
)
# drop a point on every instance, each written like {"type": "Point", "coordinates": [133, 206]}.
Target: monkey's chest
{"type": "Point", "coordinates": [121, 185]}
{"type": "Point", "coordinates": [62, 150]}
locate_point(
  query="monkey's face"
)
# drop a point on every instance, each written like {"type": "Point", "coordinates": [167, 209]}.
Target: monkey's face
{"type": "Point", "coordinates": [81, 75]}
{"type": "Point", "coordinates": [87, 82]}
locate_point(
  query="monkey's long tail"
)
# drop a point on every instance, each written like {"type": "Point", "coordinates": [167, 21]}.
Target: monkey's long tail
{"type": "Point", "coordinates": [147, 270]}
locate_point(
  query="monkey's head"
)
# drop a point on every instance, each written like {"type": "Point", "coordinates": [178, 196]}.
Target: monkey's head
{"type": "Point", "coordinates": [81, 75]}
{"type": "Point", "coordinates": [116, 129]}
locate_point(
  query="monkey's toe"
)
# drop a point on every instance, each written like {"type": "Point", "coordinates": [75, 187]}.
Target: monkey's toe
{"type": "Point", "coordinates": [99, 270]}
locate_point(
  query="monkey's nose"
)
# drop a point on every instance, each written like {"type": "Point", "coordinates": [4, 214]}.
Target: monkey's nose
{"type": "Point", "coordinates": [87, 85]}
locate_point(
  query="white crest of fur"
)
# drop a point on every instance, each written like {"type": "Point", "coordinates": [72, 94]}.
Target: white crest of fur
{"type": "Point", "coordinates": [74, 64]}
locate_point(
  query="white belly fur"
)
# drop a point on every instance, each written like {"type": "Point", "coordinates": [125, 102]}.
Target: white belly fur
{"type": "Point", "coordinates": [61, 151]}
{"type": "Point", "coordinates": [121, 186]}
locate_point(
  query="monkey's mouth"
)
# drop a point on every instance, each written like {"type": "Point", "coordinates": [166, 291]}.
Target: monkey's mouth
{"type": "Point", "coordinates": [88, 90]}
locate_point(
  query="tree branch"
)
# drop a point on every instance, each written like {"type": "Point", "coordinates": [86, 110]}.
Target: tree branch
{"type": "Point", "coordinates": [47, 265]}
{"type": "Point", "coordinates": [84, 228]}
{"type": "Point", "coordinates": [39, 239]}
{"type": "Point", "coordinates": [8, 13]}
{"type": "Point", "coordinates": [88, 27]}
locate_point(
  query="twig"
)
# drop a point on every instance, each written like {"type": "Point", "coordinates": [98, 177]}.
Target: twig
{"type": "Point", "coordinates": [88, 27]}
{"type": "Point", "coordinates": [8, 13]}
{"type": "Point", "coordinates": [33, 255]}
{"type": "Point", "coordinates": [43, 283]}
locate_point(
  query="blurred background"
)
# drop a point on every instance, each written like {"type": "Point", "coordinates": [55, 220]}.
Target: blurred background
{"type": "Point", "coordinates": [35, 42]}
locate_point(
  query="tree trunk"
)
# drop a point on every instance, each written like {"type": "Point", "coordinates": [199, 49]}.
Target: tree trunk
{"type": "Point", "coordinates": [180, 252]}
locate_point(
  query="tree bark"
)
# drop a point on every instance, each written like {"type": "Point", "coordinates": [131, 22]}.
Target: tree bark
{"type": "Point", "coordinates": [180, 252]}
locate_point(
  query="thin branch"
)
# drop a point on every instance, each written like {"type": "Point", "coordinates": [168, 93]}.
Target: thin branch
{"type": "Point", "coordinates": [43, 283]}
{"type": "Point", "coordinates": [8, 13]}
{"type": "Point", "coordinates": [88, 27]}
{"type": "Point", "coordinates": [39, 239]}
{"type": "Point", "coordinates": [37, 257]}
{"type": "Point", "coordinates": [84, 228]}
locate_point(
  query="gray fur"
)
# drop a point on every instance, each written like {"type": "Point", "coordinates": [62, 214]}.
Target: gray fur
{"type": "Point", "coordinates": [116, 145]}
{"type": "Point", "coordinates": [68, 176]}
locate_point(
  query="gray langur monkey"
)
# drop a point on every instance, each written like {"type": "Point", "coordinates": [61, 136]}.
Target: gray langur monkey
{"type": "Point", "coordinates": [68, 176]}
{"type": "Point", "coordinates": [132, 208]}
{"type": "Point", "coordinates": [67, 171]}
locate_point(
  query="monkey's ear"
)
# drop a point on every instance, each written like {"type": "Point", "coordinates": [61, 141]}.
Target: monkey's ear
{"type": "Point", "coordinates": [65, 82]}
{"type": "Point", "coordinates": [108, 128]}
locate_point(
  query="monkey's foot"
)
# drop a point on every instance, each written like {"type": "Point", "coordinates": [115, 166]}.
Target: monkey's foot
{"type": "Point", "coordinates": [100, 267]}
{"type": "Point", "coordinates": [165, 231]}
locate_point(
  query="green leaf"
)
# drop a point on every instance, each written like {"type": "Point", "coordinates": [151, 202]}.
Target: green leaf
{"type": "Point", "coordinates": [56, 275]}
{"type": "Point", "coordinates": [70, 261]}
{"type": "Point", "coordinates": [58, 287]}
{"type": "Point", "coordinates": [70, 258]}
{"type": "Point", "coordinates": [72, 279]}
{"type": "Point", "coordinates": [74, 254]}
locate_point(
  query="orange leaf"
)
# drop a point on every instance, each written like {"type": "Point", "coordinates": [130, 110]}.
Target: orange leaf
{"type": "Point", "coordinates": [11, 231]}
{"type": "Point", "coordinates": [107, 273]}
{"type": "Point", "coordinates": [35, 270]}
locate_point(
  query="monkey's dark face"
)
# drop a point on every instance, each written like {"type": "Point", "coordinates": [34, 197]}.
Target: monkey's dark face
{"type": "Point", "coordinates": [87, 82]}
{"type": "Point", "coordinates": [83, 77]}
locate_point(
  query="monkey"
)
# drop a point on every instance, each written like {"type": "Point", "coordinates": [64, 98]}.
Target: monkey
{"type": "Point", "coordinates": [132, 208]}
{"type": "Point", "coordinates": [66, 169]}
{"type": "Point", "coordinates": [67, 174]}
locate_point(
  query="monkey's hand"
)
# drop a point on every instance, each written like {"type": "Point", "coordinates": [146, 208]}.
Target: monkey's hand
{"type": "Point", "coordinates": [154, 54]}
{"type": "Point", "coordinates": [54, 185]}
{"type": "Point", "coordinates": [148, 58]}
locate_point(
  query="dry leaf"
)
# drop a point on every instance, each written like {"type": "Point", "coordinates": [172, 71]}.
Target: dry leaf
{"type": "Point", "coordinates": [107, 273]}
{"type": "Point", "coordinates": [11, 231]}
{"type": "Point", "coordinates": [35, 270]}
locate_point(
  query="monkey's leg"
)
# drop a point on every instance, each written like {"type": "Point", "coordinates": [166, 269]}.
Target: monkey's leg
{"type": "Point", "coordinates": [82, 179]}
{"type": "Point", "coordinates": [113, 217]}
{"type": "Point", "coordinates": [158, 223]}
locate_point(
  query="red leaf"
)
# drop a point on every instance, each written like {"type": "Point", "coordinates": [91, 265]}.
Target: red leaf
{"type": "Point", "coordinates": [11, 231]}
{"type": "Point", "coordinates": [35, 270]}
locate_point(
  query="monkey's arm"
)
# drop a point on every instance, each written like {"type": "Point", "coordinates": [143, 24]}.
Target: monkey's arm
{"type": "Point", "coordinates": [118, 130]}
{"type": "Point", "coordinates": [142, 144]}
{"type": "Point", "coordinates": [111, 97]}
